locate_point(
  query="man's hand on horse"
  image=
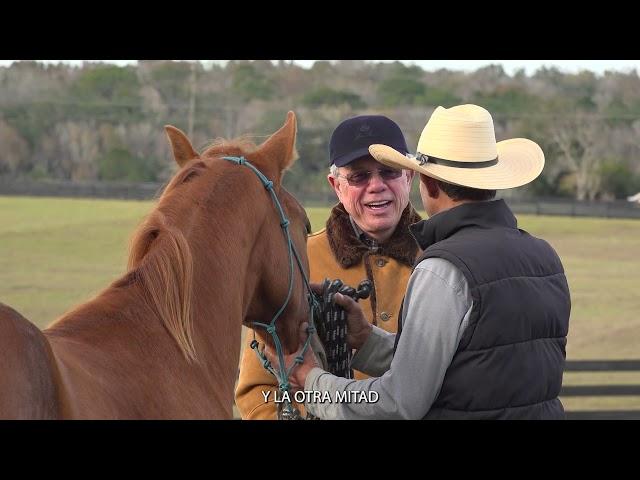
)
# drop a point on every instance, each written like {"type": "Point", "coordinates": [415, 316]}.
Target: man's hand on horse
{"type": "Point", "coordinates": [299, 374]}
{"type": "Point", "coordinates": [358, 328]}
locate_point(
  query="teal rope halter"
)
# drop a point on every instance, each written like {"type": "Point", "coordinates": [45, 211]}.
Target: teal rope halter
{"type": "Point", "coordinates": [282, 374]}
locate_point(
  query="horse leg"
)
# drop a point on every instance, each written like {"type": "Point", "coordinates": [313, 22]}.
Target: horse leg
{"type": "Point", "coordinates": [27, 370]}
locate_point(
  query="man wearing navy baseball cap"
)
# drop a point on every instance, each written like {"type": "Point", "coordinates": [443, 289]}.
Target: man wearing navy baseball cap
{"type": "Point", "coordinates": [373, 195]}
{"type": "Point", "coordinates": [351, 139]}
{"type": "Point", "coordinates": [366, 237]}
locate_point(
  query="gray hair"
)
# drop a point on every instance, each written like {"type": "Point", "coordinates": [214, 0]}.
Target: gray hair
{"type": "Point", "coordinates": [333, 170]}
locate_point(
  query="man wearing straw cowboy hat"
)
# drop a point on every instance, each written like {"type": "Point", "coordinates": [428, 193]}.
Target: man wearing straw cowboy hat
{"type": "Point", "coordinates": [486, 311]}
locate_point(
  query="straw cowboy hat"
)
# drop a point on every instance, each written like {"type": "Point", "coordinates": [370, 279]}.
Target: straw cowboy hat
{"type": "Point", "coordinates": [458, 145]}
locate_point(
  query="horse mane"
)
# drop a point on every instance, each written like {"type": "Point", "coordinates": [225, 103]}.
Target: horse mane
{"type": "Point", "coordinates": [166, 275]}
{"type": "Point", "coordinates": [166, 270]}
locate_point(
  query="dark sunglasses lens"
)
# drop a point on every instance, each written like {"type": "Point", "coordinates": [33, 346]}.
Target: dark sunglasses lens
{"type": "Point", "coordinates": [390, 173]}
{"type": "Point", "coordinates": [357, 179]}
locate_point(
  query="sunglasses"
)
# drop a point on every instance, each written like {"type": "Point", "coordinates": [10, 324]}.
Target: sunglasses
{"type": "Point", "coordinates": [360, 178]}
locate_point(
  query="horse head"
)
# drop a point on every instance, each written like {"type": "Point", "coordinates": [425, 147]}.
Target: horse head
{"type": "Point", "coordinates": [215, 248]}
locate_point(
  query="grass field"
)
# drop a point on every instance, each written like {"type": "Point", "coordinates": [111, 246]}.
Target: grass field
{"type": "Point", "coordinates": [56, 253]}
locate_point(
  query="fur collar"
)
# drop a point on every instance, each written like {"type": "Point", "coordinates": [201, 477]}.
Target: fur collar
{"type": "Point", "coordinates": [349, 250]}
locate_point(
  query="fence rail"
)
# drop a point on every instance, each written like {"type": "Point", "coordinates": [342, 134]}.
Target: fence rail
{"type": "Point", "coordinates": [148, 191]}
{"type": "Point", "coordinates": [66, 188]}
{"type": "Point", "coordinates": [602, 390]}
{"type": "Point", "coordinates": [574, 208]}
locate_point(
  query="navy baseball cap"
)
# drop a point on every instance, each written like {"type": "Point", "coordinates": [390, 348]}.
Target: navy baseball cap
{"type": "Point", "coordinates": [351, 139]}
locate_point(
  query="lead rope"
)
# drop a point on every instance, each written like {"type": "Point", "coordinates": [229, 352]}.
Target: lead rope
{"type": "Point", "coordinates": [331, 324]}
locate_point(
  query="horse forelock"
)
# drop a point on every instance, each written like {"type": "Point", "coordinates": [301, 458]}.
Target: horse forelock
{"type": "Point", "coordinates": [236, 147]}
{"type": "Point", "coordinates": [244, 147]}
{"type": "Point", "coordinates": [163, 261]}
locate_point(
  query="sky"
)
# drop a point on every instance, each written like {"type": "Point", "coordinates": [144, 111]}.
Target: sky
{"type": "Point", "coordinates": [510, 66]}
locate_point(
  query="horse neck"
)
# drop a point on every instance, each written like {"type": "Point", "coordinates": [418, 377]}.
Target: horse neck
{"type": "Point", "coordinates": [217, 318]}
{"type": "Point", "coordinates": [222, 286]}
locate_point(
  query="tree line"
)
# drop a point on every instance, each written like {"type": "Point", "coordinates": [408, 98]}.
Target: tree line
{"type": "Point", "coordinates": [105, 122]}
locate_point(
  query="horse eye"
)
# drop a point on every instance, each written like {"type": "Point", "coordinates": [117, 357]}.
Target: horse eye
{"type": "Point", "coordinates": [193, 171]}
{"type": "Point", "coordinates": [189, 176]}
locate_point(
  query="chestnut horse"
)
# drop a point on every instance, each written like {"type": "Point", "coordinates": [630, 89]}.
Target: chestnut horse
{"type": "Point", "coordinates": [163, 341]}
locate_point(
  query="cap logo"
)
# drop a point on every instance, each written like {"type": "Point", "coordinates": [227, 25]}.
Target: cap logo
{"type": "Point", "coordinates": [364, 131]}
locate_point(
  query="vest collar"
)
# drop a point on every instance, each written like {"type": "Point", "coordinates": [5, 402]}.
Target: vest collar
{"type": "Point", "coordinates": [493, 213]}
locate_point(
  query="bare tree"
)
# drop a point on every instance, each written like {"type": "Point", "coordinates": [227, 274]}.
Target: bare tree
{"type": "Point", "coordinates": [79, 144]}
{"type": "Point", "coordinates": [14, 152]}
{"type": "Point", "coordinates": [579, 139]}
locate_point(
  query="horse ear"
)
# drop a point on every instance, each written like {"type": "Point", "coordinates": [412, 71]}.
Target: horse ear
{"type": "Point", "coordinates": [280, 147]}
{"type": "Point", "coordinates": [180, 144]}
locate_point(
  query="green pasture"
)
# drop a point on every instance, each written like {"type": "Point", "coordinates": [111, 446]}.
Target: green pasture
{"type": "Point", "coordinates": [56, 253]}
